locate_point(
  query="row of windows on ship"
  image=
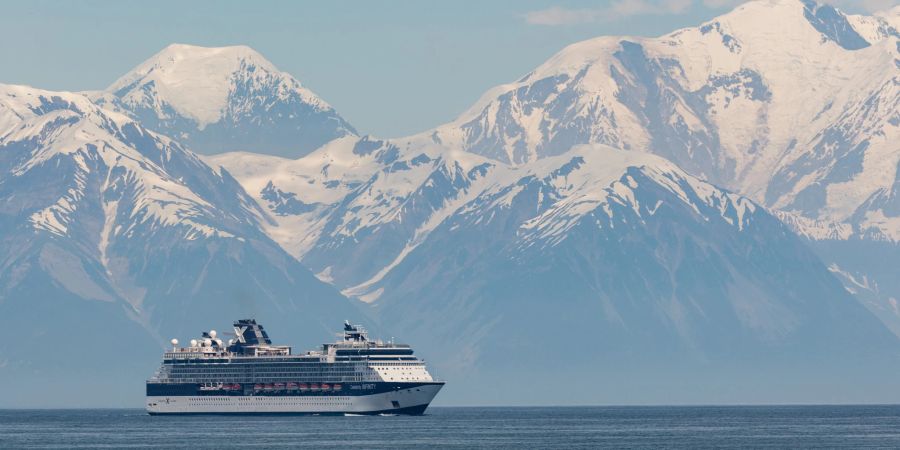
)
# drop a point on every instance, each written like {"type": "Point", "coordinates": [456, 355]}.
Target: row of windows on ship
{"type": "Point", "coordinates": [291, 363]}
{"type": "Point", "coordinates": [274, 387]}
{"type": "Point", "coordinates": [294, 401]}
{"type": "Point", "coordinates": [272, 367]}
{"type": "Point", "coordinates": [272, 372]}
{"type": "Point", "coordinates": [278, 369]}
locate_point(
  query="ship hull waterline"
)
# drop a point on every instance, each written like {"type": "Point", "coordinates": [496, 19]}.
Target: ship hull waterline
{"type": "Point", "coordinates": [411, 400]}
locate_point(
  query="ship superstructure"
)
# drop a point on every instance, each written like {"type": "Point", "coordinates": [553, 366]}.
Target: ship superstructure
{"type": "Point", "coordinates": [248, 374]}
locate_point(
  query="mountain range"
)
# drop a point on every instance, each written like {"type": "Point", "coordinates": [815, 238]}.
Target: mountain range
{"type": "Point", "coordinates": [709, 215]}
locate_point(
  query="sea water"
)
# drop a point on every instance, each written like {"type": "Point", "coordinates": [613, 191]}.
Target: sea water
{"type": "Point", "coordinates": [474, 427]}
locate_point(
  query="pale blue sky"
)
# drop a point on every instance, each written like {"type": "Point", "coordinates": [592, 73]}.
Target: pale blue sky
{"type": "Point", "coordinates": [390, 68]}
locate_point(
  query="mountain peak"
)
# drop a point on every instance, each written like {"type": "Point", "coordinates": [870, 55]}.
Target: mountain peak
{"type": "Point", "coordinates": [203, 95]}
{"type": "Point", "coordinates": [195, 81]}
{"type": "Point", "coordinates": [772, 18]}
{"type": "Point", "coordinates": [177, 54]}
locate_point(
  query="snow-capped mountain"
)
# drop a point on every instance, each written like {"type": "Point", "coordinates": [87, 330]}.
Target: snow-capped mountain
{"type": "Point", "coordinates": [877, 27]}
{"type": "Point", "coordinates": [721, 100]}
{"type": "Point", "coordinates": [111, 233]}
{"type": "Point", "coordinates": [617, 265]}
{"type": "Point", "coordinates": [792, 103]}
{"type": "Point", "coordinates": [217, 100]}
{"type": "Point", "coordinates": [471, 256]}
{"type": "Point", "coordinates": [469, 235]}
{"type": "Point", "coordinates": [353, 207]}
{"type": "Point", "coordinates": [781, 100]}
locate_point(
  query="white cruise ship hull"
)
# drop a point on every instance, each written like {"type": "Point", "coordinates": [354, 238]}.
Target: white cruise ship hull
{"type": "Point", "coordinates": [411, 400]}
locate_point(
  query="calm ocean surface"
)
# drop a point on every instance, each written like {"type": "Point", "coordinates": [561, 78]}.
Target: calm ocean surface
{"type": "Point", "coordinates": [577, 427]}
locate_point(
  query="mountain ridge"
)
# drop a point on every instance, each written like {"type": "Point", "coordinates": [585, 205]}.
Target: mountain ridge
{"type": "Point", "coordinates": [219, 99]}
{"type": "Point", "coordinates": [729, 113]}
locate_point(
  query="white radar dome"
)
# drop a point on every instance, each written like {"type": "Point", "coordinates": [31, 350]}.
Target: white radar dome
{"type": "Point", "coordinates": [174, 341]}
{"type": "Point", "coordinates": [212, 334]}
{"type": "Point", "coordinates": [193, 342]}
{"type": "Point", "coordinates": [207, 342]}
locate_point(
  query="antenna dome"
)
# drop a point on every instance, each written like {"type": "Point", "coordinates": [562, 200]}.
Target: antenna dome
{"type": "Point", "coordinates": [193, 342]}
{"type": "Point", "coordinates": [212, 334]}
{"type": "Point", "coordinates": [174, 341]}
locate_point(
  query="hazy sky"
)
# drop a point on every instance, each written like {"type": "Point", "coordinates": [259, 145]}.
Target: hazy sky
{"type": "Point", "coordinates": [390, 68]}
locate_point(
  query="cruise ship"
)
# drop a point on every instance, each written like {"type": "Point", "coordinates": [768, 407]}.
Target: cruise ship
{"type": "Point", "coordinates": [249, 375]}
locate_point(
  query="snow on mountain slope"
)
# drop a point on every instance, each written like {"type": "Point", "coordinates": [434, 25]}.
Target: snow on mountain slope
{"type": "Point", "coordinates": [580, 182]}
{"type": "Point", "coordinates": [224, 99]}
{"type": "Point", "coordinates": [877, 27]}
{"type": "Point", "coordinates": [296, 192]}
{"type": "Point", "coordinates": [63, 126]}
{"type": "Point", "coordinates": [814, 229]}
{"type": "Point", "coordinates": [543, 235]}
{"type": "Point", "coordinates": [789, 102]}
{"type": "Point", "coordinates": [194, 81]}
{"type": "Point", "coordinates": [619, 265]}
{"type": "Point", "coordinates": [471, 256]}
{"type": "Point", "coordinates": [353, 210]}
{"type": "Point", "coordinates": [781, 100]}
{"type": "Point", "coordinates": [125, 230]}
{"type": "Point", "coordinates": [355, 206]}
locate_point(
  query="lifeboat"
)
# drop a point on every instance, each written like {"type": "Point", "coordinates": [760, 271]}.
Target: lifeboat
{"type": "Point", "coordinates": [268, 387]}
{"type": "Point", "coordinates": [336, 387]}
{"type": "Point", "coordinates": [235, 387]}
{"type": "Point", "coordinates": [257, 387]}
{"type": "Point", "coordinates": [291, 386]}
{"type": "Point", "coordinates": [279, 386]}
{"type": "Point", "coordinates": [326, 386]}
{"type": "Point", "coordinates": [314, 387]}
{"type": "Point", "coordinates": [303, 386]}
